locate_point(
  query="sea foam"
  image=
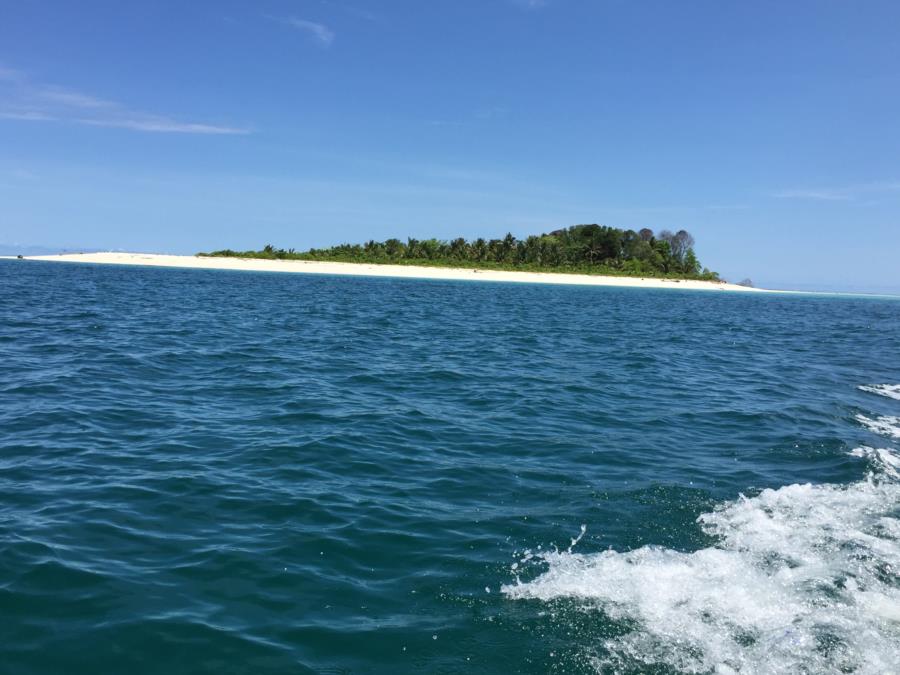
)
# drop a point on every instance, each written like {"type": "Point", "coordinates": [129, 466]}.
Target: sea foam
{"type": "Point", "coordinates": [889, 390]}
{"type": "Point", "coordinates": [886, 426]}
{"type": "Point", "coordinates": [803, 579]}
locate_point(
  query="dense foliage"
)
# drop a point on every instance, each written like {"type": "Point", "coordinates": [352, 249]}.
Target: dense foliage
{"type": "Point", "coordinates": [592, 249]}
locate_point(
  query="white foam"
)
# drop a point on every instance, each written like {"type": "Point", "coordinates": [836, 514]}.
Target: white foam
{"type": "Point", "coordinates": [802, 579]}
{"type": "Point", "coordinates": [886, 426]}
{"type": "Point", "coordinates": [889, 390]}
{"type": "Point", "coordinates": [886, 461]}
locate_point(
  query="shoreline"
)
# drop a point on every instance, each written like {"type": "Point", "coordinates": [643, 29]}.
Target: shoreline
{"type": "Point", "coordinates": [396, 271]}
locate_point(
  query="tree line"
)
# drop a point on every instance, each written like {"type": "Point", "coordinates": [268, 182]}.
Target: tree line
{"type": "Point", "coordinates": [595, 249]}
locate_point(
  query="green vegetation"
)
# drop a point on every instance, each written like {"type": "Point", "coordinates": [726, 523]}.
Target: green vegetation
{"type": "Point", "coordinates": [585, 249]}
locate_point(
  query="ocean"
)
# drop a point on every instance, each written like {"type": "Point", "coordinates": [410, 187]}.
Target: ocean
{"type": "Point", "coordinates": [227, 472]}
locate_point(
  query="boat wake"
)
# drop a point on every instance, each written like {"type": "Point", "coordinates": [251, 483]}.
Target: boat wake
{"type": "Point", "coordinates": [889, 390]}
{"type": "Point", "coordinates": [886, 426]}
{"type": "Point", "coordinates": [802, 579]}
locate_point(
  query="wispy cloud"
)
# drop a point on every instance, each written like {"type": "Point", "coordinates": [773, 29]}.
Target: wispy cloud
{"type": "Point", "coordinates": [26, 100]}
{"type": "Point", "coordinates": [529, 4]}
{"type": "Point", "coordinates": [444, 123]}
{"type": "Point", "coordinates": [480, 115]}
{"type": "Point", "coordinates": [818, 195]}
{"type": "Point", "coordinates": [9, 74]}
{"type": "Point", "coordinates": [672, 209]}
{"type": "Point", "coordinates": [23, 174]}
{"type": "Point", "coordinates": [74, 99]}
{"type": "Point", "coordinates": [319, 32]}
{"type": "Point", "coordinates": [492, 113]}
{"type": "Point", "coordinates": [845, 193]}
{"type": "Point", "coordinates": [352, 10]}
{"type": "Point", "coordinates": [26, 115]}
{"type": "Point", "coordinates": [162, 125]}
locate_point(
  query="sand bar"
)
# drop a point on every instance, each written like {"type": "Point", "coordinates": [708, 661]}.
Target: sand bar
{"type": "Point", "coordinates": [400, 271]}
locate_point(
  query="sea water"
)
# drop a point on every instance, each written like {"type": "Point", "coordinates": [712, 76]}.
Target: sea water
{"type": "Point", "coordinates": [226, 472]}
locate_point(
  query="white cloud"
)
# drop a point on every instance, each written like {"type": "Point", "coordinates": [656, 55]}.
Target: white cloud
{"type": "Point", "coordinates": [846, 193]}
{"type": "Point", "coordinates": [24, 100]}
{"type": "Point", "coordinates": [819, 195]}
{"type": "Point", "coordinates": [530, 4]}
{"type": "Point", "coordinates": [161, 125]}
{"type": "Point", "coordinates": [75, 99]}
{"type": "Point", "coordinates": [9, 74]}
{"type": "Point", "coordinates": [352, 10]}
{"type": "Point", "coordinates": [26, 115]}
{"type": "Point", "coordinates": [491, 113]}
{"type": "Point", "coordinates": [320, 32]}
{"type": "Point", "coordinates": [23, 174]}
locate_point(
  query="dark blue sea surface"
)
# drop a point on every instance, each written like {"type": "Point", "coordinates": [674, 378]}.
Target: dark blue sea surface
{"type": "Point", "coordinates": [226, 472]}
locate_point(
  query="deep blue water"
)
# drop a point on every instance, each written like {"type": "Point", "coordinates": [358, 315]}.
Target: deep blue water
{"type": "Point", "coordinates": [233, 472]}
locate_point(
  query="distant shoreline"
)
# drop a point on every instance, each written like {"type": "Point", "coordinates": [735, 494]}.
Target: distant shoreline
{"type": "Point", "coordinates": [396, 271]}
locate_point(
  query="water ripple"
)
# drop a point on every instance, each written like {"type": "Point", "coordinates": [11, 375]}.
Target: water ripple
{"type": "Point", "coordinates": [225, 472]}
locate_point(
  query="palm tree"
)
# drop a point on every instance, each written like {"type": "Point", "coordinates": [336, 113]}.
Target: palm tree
{"type": "Point", "coordinates": [508, 247]}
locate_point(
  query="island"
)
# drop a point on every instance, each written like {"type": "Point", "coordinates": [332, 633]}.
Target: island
{"type": "Point", "coordinates": [585, 255]}
{"type": "Point", "coordinates": [581, 249]}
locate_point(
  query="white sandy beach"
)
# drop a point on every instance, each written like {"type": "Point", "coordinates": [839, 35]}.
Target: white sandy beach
{"type": "Point", "coordinates": [402, 271]}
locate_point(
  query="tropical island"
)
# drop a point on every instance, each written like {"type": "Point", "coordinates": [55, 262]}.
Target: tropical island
{"type": "Point", "coordinates": [581, 249]}
{"type": "Point", "coordinates": [587, 255]}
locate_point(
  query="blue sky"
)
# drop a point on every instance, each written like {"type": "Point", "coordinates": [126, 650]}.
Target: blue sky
{"type": "Point", "coordinates": [767, 129]}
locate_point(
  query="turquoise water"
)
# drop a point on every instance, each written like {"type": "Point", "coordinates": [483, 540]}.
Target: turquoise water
{"type": "Point", "coordinates": [231, 472]}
